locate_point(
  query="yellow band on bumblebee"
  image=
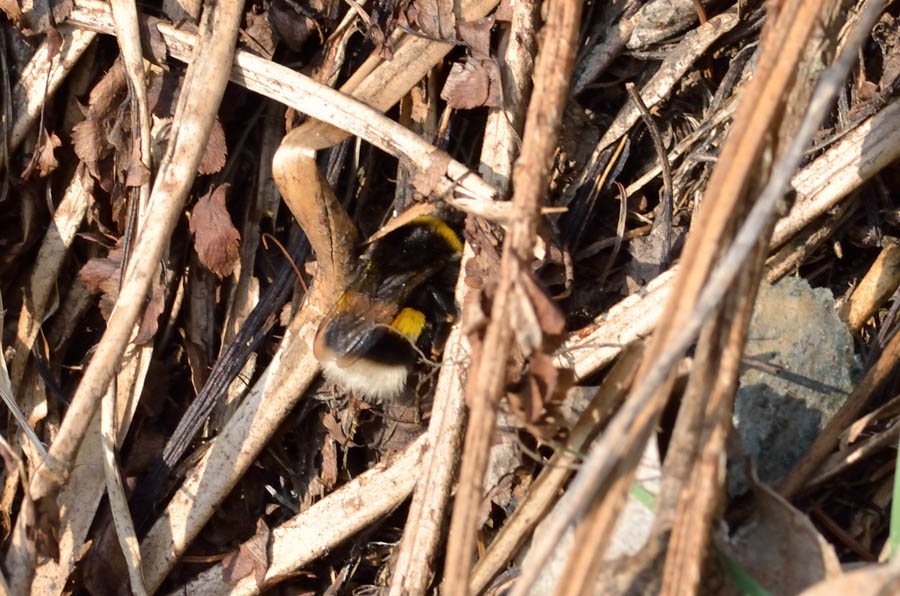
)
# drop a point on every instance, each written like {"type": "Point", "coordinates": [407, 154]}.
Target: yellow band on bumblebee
{"type": "Point", "coordinates": [409, 322]}
{"type": "Point", "coordinates": [441, 229]}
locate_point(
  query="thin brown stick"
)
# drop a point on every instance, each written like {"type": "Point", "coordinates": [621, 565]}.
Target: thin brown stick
{"type": "Point", "coordinates": [664, 163]}
{"type": "Point", "coordinates": [487, 381]}
{"type": "Point", "coordinates": [266, 237]}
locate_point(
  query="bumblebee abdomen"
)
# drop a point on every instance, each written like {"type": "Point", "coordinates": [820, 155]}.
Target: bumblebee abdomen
{"type": "Point", "coordinates": [367, 341]}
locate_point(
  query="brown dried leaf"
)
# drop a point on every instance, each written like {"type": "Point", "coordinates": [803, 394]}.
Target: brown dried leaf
{"type": "Point", "coordinates": [215, 237]}
{"type": "Point", "coordinates": [101, 276]}
{"type": "Point", "coordinates": [43, 158]}
{"type": "Point", "coordinates": [436, 18]}
{"type": "Point", "coordinates": [109, 92]}
{"type": "Point", "coordinates": [551, 318]}
{"type": "Point", "coordinates": [802, 558]}
{"type": "Point", "coordinates": [477, 36]}
{"type": "Point", "coordinates": [162, 92]}
{"type": "Point", "coordinates": [88, 142]}
{"type": "Point", "coordinates": [538, 390]}
{"type": "Point", "coordinates": [381, 23]}
{"type": "Point", "coordinates": [154, 308]}
{"type": "Point", "coordinates": [471, 85]}
{"type": "Point", "coordinates": [329, 474]}
{"type": "Point", "coordinates": [11, 9]}
{"type": "Point", "coordinates": [258, 34]}
{"type": "Point", "coordinates": [137, 173]}
{"type": "Point", "coordinates": [44, 524]}
{"type": "Point", "coordinates": [54, 43]}
{"type": "Point", "coordinates": [41, 16]}
{"type": "Point", "coordinates": [334, 428]}
{"type": "Point", "coordinates": [251, 557]}
{"type": "Point", "coordinates": [153, 43]}
{"type": "Point", "coordinates": [290, 25]}
{"type": "Point", "coordinates": [213, 158]}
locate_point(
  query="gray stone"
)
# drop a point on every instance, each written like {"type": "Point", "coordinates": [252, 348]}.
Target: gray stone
{"type": "Point", "coordinates": [798, 371]}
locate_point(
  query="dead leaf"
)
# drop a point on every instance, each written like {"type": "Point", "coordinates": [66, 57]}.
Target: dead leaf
{"type": "Point", "coordinates": [551, 318]}
{"type": "Point", "coordinates": [213, 158]}
{"type": "Point", "coordinates": [251, 557]}
{"type": "Point", "coordinates": [11, 9]}
{"type": "Point", "coordinates": [471, 85]}
{"type": "Point", "coordinates": [43, 158]}
{"type": "Point", "coordinates": [54, 43]}
{"type": "Point", "coordinates": [382, 21]}
{"type": "Point", "coordinates": [436, 19]}
{"type": "Point", "coordinates": [154, 307]}
{"type": "Point", "coordinates": [541, 394]}
{"type": "Point", "coordinates": [524, 321]}
{"type": "Point", "coordinates": [426, 180]}
{"type": "Point", "coordinates": [477, 36]}
{"type": "Point", "coordinates": [137, 173]}
{"type": "Point", "coordinates": [329, 474]}
{"type": "Point", "coordinates": [334, 428]}
{"type": "Point", "coordinates": [216, 239]}
{"type": "Point", "coordinates": [162, 93]}
{"type": "Point", "coordinates": [291, 26]}
{"type": "Point", "coordinates": [61, 10]}
{"type": "Point", "coordinates": [101, 276]}
{"type": "Point", "coordinates": [87, 140]}
{"type": "Point", "coordinates": [258, 33]}
{"type": "Point", "coordinates": [781, 549]}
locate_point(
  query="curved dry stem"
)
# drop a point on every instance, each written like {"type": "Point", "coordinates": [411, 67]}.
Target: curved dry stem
{"type": "Point", "coordinates": [325, 222]}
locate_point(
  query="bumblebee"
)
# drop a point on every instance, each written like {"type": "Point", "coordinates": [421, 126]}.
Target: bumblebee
{"type": "Point", "coordinates": [367, 342]}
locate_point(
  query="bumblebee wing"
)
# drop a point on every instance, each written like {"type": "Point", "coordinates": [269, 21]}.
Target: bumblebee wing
{"type": "Point", "coordinates": [345, 339]}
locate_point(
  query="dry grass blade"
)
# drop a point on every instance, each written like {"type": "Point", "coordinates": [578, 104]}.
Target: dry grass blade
{"type": "Point", "coordinates": [116, 491]}
{"type": "Point", "coordinates": [531, 175]}
{"type": "Point", "coordinates": [856, 158]}
{"type": "Point", "coordinates": [19, 558]}
{"type": "Point", "coordinates": [422, 534]}
{"type": "Point", "coordinates": [66, 221]}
